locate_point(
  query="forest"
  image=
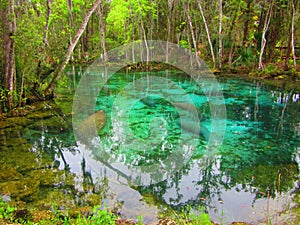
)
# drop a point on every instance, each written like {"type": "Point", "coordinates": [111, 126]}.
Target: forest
{"type": "Point", "coordinates": [39, 38]}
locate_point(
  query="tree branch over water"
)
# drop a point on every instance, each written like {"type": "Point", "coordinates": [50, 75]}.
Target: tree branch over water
{"type": "Point", "coordinates": [80, 31]}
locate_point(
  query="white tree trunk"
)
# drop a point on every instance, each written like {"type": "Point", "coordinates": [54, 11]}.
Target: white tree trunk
{"type": "Point", "coordinates": [208, 34]}
{"type": "Point", "coordinates": [263, 40]}
{"type": "Point", "coordinates": [193, 34]}
{"type": "Point", "coordinates": [170, 4]}
{"type": "Point", "coordinates": [220, 34]}
{"type": "Point", "coordinates": [102, 33]}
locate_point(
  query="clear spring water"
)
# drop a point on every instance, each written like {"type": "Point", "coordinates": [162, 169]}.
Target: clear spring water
{"type": "Point", "coordinates": [253, 175]}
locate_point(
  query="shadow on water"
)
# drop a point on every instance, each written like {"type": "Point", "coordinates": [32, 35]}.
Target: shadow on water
{"type": "Point", "coordinates": [254, 176]}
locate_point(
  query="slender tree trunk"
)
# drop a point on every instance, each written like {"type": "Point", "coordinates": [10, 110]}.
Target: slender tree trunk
{"type": "Point", "coordinates": [171, 6]}
{"type": "Point", "coordinates": [85, 37]}
{"type": "Point", "coordinates": [232, 36]}
{"type": "Point", "coordinates": [49, 89]}
{"type": "Point", "coordinates": [6, 38]}
{"type": "Point", "coordinates": [9, 72]}
{"type": "Point", "coordinates": [246, 23]}
{"type": "Point", "coordinates": [220, 34]}
{"type": "Point", "coordinates": [45, 39]}
{"type": "Point", "coordinates": [21, 89]}
{"type": "Point", "coordinates": [231, 52]}
{"type": "Point", "coordinates": [193, 34]}
{"type": "Point", "coordinates": [265, 29]}
{"type": "Point", "coordinates": [293, 34]}
{"type": "Point", "coordinates": [288, 50]}
{"type": "Point", "coordinates": [146, 44]}
{"type": "Point", "coordinates": [190, 47]}
{"type": "Point", "coordinates": [132, 38]}
{"type": "Point", "coordinates": [157, 18]}
{"type": "Point", "coordinates": [151, 22]}
{"type": "Point", "coordinates": [208, 34]}
{"type": "Point", "coordinates": [70, 8]}
{"type": "Point", "coordinates": [102, 32]}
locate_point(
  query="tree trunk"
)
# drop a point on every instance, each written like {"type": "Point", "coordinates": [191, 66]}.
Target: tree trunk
{"type": "Point", "coordinates": [288, 50]}
{"type": "Point", "coordinates": [70, 8]}
{"type": "Point", "coordinates": [132, 38]}
{"type": "Point", "coordinates": [293, 34]}
{"type": "Point", "coordinates": [230, 58]}
{"type": "Point", "coordinates": [49, 89]}
{"type": "Point", "coordinates": [265, 29]}
{"type": "Point", "coordinates": [232, 36]}
{"type": "Point", "coordinates": [9, 54]}
{"type": "Point", "coordinates": [146, 44]}
{"type": "Point", "coordinates": [151, 22]}
{"type": "Point", "coordinates": [193, 34]}
{"type": "Point", "coordinates": [6, 39]}
{"type": "Point", "coordinates": [171, 6]}
{"type": "Point", "coordinates": [220, 34]}
{"type": "Point", "coordinates": [208, 34]}
{"type": "Point", "coordinates": [246, 23]}
{"type": "Point", "coordinates": [102, 32]}
{"type": "Point", "coordinates": [45, 39]}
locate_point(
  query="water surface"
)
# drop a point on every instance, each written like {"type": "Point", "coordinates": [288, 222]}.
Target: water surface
{"type": "Point", "coordinates": [252, 177]}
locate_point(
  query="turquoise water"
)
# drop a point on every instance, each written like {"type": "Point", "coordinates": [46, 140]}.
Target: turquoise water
{"type": "Point", "coordinates": [162, 150]}
{"type": "Point", "coordinates": [256, 161]}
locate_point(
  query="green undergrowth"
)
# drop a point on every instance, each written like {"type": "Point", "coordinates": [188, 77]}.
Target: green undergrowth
{"type": "Point", "coordinates": [12, 215]}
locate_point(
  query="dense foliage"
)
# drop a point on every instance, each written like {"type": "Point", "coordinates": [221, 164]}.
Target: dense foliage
{"type": "Point", "coordinates": [39, 36]}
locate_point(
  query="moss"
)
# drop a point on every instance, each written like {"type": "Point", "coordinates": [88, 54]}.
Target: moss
{"type": "Point", "coordinates": [14, 122]}
{"type": "Point", "coordinates": [16, 142]}
{"type": "Point", "coordinates": [17, 156]}
{"type": "Point", "coordinates": [40, 115]}
{"type": "Point", "coordinates": [52, 177]}
{"type": "Point", "coordinates": [8, 173]}
{"type": "Point", "coordinates": [65, 103]}
{"type": "Point", "coordinates": [92, 199]}
{"type": "Point", "coordinates": [62, 199]}
{"type": "Point", "coordinates": [55, 124]}
{"type": "Point", "coordinates": [24, 189]}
